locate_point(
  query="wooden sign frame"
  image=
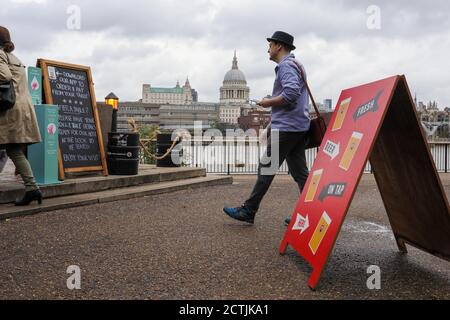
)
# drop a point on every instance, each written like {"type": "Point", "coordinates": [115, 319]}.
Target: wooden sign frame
{"type": "Point", "coordinates": [44, 64]}
{"type": "Point", "coordinates": [404, 170]}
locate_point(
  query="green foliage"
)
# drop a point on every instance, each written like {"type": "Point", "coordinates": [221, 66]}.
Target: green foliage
{"type": "Point", "coordinates": [146, 132]}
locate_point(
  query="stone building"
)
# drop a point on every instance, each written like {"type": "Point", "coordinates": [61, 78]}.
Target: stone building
{"type": "Point", "coordinates": [234, 94]}
{"type": "Point", "coordinates": [142, 113]}
{"type": "Point", "coordinates": [434, 121]}
{"type": "Point", "coordinates": [183, 116]}
{"type": "Point", "coordinates": [177, 95]}
{"type": "Point", "coordinates": [254, 118]}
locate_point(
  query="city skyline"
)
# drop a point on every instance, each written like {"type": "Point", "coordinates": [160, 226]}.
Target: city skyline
{"type": "Point", "coordinates": [161, 42]}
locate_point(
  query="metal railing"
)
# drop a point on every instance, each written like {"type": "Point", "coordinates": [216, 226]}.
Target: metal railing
{"type": "Point", "coordinates": [241, 157]}
{"type": "Point", "coordinates": [233, 157]}
{"type": "Point", "coordinates": [439, 151]}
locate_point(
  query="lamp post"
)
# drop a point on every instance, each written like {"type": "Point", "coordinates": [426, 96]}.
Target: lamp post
{"type": "Point", "coordinates": [113, 100]}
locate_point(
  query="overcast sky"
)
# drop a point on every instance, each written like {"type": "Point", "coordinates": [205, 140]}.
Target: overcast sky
{"type": "Point", "coordinates": [128, 43]}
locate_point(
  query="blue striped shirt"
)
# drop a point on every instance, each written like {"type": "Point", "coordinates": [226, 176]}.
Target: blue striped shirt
{"type": "Point", "coordinates": [294, 116]}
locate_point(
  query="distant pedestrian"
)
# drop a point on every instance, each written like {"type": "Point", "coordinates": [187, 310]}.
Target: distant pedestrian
{"type": "Point", "coordinates": [18, 125]}
{"type": "Point", "coordinates": [290, 118]}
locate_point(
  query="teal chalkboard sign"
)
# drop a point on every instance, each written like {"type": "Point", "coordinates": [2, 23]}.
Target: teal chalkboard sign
{"type": "Point", "coordinates": [35, 85]}
{"type": "Point", "coordinates": [43, 156]}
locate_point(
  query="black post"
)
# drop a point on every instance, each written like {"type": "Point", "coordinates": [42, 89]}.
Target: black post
{"type": "Point", "coordinates": [227, 161]}
{"type": "Point", "coordinates": [114, 121]}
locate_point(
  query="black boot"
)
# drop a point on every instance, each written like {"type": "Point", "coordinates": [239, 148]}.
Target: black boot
{"type": "Point", "coordinates": [30, 196]}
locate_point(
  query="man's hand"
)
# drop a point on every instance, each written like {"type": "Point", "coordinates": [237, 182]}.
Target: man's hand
{"type": "Point", "coordinates": [265, 103]}
{"type": "Point", "coordinates": [271, 102]}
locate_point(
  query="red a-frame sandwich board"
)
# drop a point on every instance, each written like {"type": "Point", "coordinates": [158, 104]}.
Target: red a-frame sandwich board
{"type": "Point", "coordinates": [377, 122]}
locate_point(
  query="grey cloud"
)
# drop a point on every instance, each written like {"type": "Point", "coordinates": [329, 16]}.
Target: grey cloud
{"type": "Point", "coordinates": [338, 20]}
{"type": "Point", "coordinates": [33, 23]}
{"type": "Point", "coordinates": [332, 39]}
{"type": "Point", "coordinates": [245, 23]}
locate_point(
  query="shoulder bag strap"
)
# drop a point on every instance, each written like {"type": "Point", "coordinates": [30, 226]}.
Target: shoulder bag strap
{"type": "Point", "coordinates": [307, 86]}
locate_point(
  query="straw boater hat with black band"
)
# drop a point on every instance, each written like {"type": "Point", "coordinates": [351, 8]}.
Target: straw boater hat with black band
{"type": "Point", "coordinates": [5, 40]}
{"type": "Point", "coordinates": [284, 38]}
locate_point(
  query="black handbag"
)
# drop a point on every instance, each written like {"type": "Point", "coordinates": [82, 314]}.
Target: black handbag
{"type": "Point", "coordinates": [7, 94]}
{"type": "Point", "coordinates": [317, 127]}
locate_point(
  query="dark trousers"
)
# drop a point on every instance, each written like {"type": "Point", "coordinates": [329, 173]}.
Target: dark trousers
{"type": "Point", "coordinates": [16, 152]}
{"type": "Point", "coordinates": [292, 149]}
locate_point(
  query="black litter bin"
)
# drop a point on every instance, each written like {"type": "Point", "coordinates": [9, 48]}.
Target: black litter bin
{"type": "Point", "coordinates": [123, 153]}
{"type": "Point", "coordinates": [163, 143]}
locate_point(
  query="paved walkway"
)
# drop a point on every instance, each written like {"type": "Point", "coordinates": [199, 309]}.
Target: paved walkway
{"type": "Point", "coordinates": [181, 246]}
{"type": "Point", "coordinates": [7, 174]}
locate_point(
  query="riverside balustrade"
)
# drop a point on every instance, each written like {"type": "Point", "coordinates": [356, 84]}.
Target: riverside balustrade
{"type": "Point", "coordinates": [241, 156]}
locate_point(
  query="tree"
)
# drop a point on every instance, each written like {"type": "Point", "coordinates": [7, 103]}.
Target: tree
{"type": "Point", "coordinates": [148, 131]}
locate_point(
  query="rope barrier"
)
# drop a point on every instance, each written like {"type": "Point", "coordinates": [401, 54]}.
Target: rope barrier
{"type": "Point", "coordinates": [133, 126]}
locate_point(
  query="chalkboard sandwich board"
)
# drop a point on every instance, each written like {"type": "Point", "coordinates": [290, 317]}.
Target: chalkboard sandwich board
{"type": "Point", "coordinates": [70, 87]}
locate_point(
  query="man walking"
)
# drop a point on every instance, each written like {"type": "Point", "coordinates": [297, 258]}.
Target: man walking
{"type": "Point", "coordinates": [290, 122]}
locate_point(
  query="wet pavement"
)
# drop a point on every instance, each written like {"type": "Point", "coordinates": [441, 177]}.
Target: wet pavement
{"type": "Point", "coordinates": [182, 246]}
